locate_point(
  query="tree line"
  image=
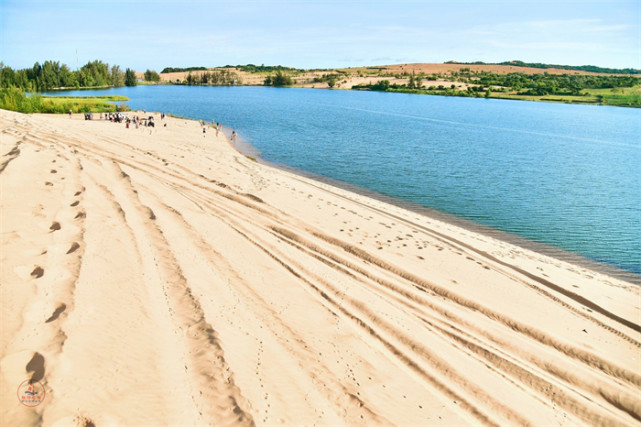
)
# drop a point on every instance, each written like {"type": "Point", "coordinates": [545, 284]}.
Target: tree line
{"type": "Point", "coordinates": [523, 84]}
{"type": "Point", "coordinates": [580, 88]}
{"type": "Point", "coordinates": [54, 75]}
{"type": "Point", "coordinates": [212, 78]}
{"type": "Point", "coordinates": [251, 68]}
{"type": "Point", "coordinates": [181, 70]}
{"type": "Point", "coordinates": [546, 84]}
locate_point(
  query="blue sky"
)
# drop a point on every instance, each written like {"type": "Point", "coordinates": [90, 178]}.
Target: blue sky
{"type": "Point", "coordinates": [319, 34]}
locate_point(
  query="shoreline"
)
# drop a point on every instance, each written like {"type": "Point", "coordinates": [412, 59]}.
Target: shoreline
{"type": "Point", "coordinates": [554, 99]}
{"type": "Point", "coordinates": [250, 295]}
{"type": "Point", "coordinates": [247, 149]}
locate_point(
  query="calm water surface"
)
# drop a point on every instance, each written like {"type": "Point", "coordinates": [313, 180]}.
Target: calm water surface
{"type": "Point", "coordinates": [564, 175]}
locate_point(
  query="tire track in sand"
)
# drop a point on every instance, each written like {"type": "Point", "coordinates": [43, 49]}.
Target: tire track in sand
{"type": "Point", "coordinates": [219, 401]}
{"type": "Point", "coordinates": [356, 411]}
{"type": "Point", "coordinates": [202, 201]}
{"type": "Point", "coordinates": [618, 398]}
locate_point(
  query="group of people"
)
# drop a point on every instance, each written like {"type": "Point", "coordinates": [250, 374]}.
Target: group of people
{"type": "Point", "coordinates": [214, 124]}
{"type": "Point", "coordinates": [218, 127]}
{"type": "Point", "coordinates": [137, 121]}
{"type": "Point", "coordinates": [149, 122]}
{"type": "Point", "coordinates": [115, 117]}
{"type": "Point", "coordinates": [112, 117]}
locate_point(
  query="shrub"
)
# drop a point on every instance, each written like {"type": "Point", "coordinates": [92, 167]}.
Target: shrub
{"type": "Point", "coordinates": [16, 100]}
{"type": "Point", "coordinates": [151, 76]}
{"type": "Point", "coordinates": [279, 79]}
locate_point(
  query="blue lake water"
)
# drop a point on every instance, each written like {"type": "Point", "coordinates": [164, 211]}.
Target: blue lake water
{"type": "Point", "coordinates": [564, 175]}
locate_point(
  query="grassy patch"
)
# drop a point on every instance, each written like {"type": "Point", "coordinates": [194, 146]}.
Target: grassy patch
{"type": "Point", "coordinates": [568, 99]}
{"type": "Point", "coordinates": [160, 83]}
{"type": "Point", "coordinates": [16, 100]}
{"type": "Point", "coordinates": [619, 97]}
{"type": "Point", "coordinates": [100, 97]}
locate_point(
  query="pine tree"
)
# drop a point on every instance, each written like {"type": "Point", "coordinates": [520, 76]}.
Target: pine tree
{"type": "Point", "coordinates": [130, 78]}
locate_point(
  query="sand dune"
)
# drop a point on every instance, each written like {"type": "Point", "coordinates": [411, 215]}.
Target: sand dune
{"type": "Point", "coordinates": [351, 78]}
{"type": "Point", "coordinates": [159, 277]}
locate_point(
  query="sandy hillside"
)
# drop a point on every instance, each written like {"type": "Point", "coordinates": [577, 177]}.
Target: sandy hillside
{"type": "Point", "coordinates": [307, 79]}
{"type": "Point", "coordinates": [373, 74]}
{"type": "Point", "coordinates": [430, 68]}
{"type": "Point", "coordinates": [158, 277]}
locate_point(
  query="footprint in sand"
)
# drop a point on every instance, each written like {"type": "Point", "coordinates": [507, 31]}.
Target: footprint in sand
{"type": "Point", "coordinates": [75, 203]}
{"type": "Point", "coordinates": [59, 310]}
{"type": "Point", "coordinates": [37, 272]}
{"type": "Point", "coordinates": [37, 366]}
{"type": "Point", "coordinates": [55, 226]}
{"type": "Point", "coordinates": [74, 247]}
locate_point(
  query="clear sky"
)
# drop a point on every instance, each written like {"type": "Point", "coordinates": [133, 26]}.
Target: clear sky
{"type": "Point", "coordinates": [142, 34]}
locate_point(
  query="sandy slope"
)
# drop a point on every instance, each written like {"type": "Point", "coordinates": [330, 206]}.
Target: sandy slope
{"type": "Point", "coordinates": [161, 278]}
{"type": "Point", "coordinates": [370, 75]}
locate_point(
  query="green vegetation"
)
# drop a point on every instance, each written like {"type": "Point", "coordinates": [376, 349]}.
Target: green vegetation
{"type": "Point", "coordinates": [619, 97]}
{"type": "Point", "coordinates": [130, 77]}
{"type": "Point", "coordinates": [181, 70]}
{"type": "Point", "coordinates": [613, 90]}
{"type": "Point", "coordinates": [331, 78]}
{"type": "Point", "coordinates": [212, 78]}
{"type": "Point", "coordinates": [251, 68]}
{"type": "Point", "coordinates": [279, 79]}
{"type": "Point", "coordinates": [152, 76]}
{"type": "Point", "coordinates": [17, 100]}
{"type": "Point", "coordinates": [112, 98]}
{"type": "Point", "coordinates": [547, 84]}
{"type": "Point", "coordinates": [52, 75]}
{"type": "Point", "coordinates": [588, 68]}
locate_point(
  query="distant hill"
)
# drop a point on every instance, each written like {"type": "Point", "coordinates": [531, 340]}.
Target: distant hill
{"type": "Point", "coordinates": [506, 67]}
{"type": "Point", "coordinates": [588, 68]}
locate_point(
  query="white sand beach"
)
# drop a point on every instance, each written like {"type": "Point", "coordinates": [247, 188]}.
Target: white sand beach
{"type": "Point", "coordinates": [156, 276]}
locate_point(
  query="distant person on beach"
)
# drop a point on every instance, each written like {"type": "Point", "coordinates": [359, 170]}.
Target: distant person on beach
{"type": "Point", "coordinates": [233, 136]}
{"type": "Point", "coordinates": [69, 113]}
